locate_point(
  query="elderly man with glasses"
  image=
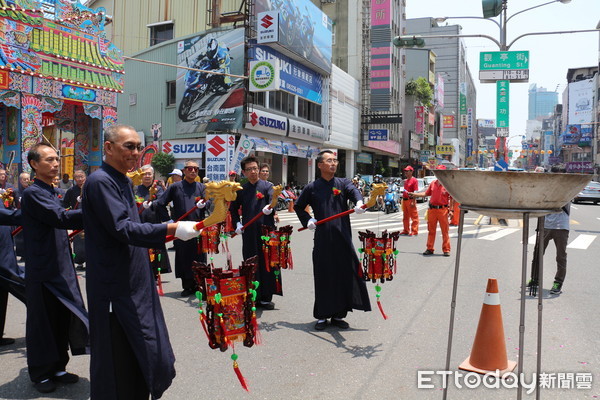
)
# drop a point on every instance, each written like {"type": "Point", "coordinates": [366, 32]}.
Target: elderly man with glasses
{"type": "Point", "coordinates": [185, 195]}
{"type": "Point", "coordinates": [132, 356]}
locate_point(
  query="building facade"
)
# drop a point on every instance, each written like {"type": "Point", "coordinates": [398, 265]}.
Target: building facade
{"type": "Point", "coordinates": [541, 102]}
{"type": "Point", "coordinates": [458, 127]}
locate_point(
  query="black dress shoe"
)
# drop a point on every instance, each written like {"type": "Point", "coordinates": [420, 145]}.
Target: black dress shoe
{"type": "Point", "coordinates": [267, 305]}
{"type": "Point", "coordinates": [320, 325]}
{"type": "Point", "coordinates": [187, 293]}
{"type": "Point", "coordinates": [66, 378]}
{"type": "Point", "coordinates": [340, 323]}
{"type": "Point", "coordinates": [446, 254]}
{"type": "Point", "coordinates": [6, 341]}
{"type": "Point", "coordinates": [45, 387]}
{"type": "Point", "coordinates": [427, 252]}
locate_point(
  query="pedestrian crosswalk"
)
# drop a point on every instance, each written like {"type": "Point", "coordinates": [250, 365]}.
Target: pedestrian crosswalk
{"type": "Point", "coordinates": [380, 221]}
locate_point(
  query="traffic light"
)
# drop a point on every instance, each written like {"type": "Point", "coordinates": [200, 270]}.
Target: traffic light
{"type": "Point", "coordinates": [491, 8]}
{"type": "Point", "coordinates": [408, 41]}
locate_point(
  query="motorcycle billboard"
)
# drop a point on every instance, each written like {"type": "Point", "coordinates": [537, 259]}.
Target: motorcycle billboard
{"type": "Point", "coordinates": [208, 101]}
{"type": "Point", "coordinates": [303, 29]}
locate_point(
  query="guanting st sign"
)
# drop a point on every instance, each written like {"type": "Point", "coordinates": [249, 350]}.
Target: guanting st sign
{"type": "Point", "coordinates": [510, 66]}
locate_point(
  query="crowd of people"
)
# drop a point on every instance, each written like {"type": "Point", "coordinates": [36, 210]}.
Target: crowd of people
{"type": "Point", "coordinates": [119, 233]}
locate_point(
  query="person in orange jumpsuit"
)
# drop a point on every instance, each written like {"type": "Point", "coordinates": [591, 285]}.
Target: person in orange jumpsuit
{"type": "Point", "coordinates": [454, 212]}
{"type": "Point", "coordinates": [409, 204]}
{"type": "Point", "coordinates": [437, 214]}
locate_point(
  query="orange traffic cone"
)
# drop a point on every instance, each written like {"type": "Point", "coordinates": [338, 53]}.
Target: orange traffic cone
{"type": "Point", "coordinates": [489, 348]}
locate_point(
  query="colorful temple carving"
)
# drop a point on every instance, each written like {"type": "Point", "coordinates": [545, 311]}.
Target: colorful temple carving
{"type": "Point", "coordinates": [59, 81]}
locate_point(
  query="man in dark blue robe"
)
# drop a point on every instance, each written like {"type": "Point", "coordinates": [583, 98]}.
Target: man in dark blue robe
{"type": "Point", "coordinates": [56, 315]}
{"type": "Point", "coordinates": [338, 285]}
{"type": "Point", "coordinates": [254, 197]}
{"type": "Point", "coordinates": [132, 357]}
{"type": "Point", "coordinates": [153, 215]}
{"type": "Point", "coordinates": [12, 276]}
{"type": "Point", "coordinates": [185, 195]}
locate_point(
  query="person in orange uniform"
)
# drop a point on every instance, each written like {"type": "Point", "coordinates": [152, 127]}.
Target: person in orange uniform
{"type": "Point", "coordinates": [409, 204]}
{"type": "Point", "coordinates": [454, 212]}
{"type": "Point", "coordinates": [438, 213]}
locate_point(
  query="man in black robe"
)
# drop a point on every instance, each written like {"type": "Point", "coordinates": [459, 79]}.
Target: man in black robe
{"type": "Point", "coordinates": [12, 276]}
{"type": "Point", "coordinates": [56, 315]}
{"type": "Point", "coordinates": [72, 201]}
{"type": "Point", "coordinates": [149, 191]}
{"type": "Point", "coordinates": [132, 357]}
{"type": "Point", "coordinates": [255, 197]}
{"type": "Point", "coordinates": [185, 195]}
{"type": "Point", "coordinates": [338, 286]}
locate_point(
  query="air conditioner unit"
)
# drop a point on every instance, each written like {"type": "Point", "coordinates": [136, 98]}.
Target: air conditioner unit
{"type": "Point", "coordinates": [328, 1]}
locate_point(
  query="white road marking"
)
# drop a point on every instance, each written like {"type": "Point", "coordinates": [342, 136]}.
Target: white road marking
{"type": "Point", "coordinates": [500, 234]}
{"type": "Point", "coordinates": [476, 231]}
{"type": "Point", "coordinates": [581, 242]}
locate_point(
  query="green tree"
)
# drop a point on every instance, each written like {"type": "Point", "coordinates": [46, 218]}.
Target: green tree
{"type": "Point", "coordinates": [421, 89]}
{"type": "Point", "coordinates": [163, 163]}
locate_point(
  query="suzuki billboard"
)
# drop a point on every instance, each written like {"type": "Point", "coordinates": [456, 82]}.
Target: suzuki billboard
{"type": "Point", "coordinates": [299, 27]}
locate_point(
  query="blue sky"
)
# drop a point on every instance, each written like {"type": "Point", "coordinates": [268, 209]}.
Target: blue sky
{"type": "Point", "coordinates": [550, 56]}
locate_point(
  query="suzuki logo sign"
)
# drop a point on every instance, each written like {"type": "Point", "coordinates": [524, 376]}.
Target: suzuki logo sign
{"type": "Point", "coordinates": [266, 21]}
{"type": "Point", "coordinates": [267, 122]}
{"type": "Point", "coordinates": [216, 144]}
{"type": "Point", "coordinates": [267, 27]}
{"type": "Point", "coordinates": [167, 147]}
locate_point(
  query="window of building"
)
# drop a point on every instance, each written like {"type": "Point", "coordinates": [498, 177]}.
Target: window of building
{"type": "Point", "coordinates": [161, 32]}
{"type": "Point", "coordinates": [333, 32]}
{"type": "Point", "coordinates": [171, 98]}
{"type": "Point", "coordinates": [281, 101]}
{"type": "Point", "coordinates": [309, 110]}
{"type": "Point", "coordinates": [259, 98]}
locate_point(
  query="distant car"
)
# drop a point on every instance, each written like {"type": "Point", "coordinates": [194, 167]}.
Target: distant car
{"type": "Point", "coordinates": [422, 187]}
{"type": "Point", "coordinates": [429, 179]}
{"type": "Point", "coordinates": [590, 193]}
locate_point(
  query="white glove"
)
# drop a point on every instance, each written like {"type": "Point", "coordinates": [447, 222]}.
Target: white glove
{"type": "Point", "coordinates": [146, 204]}
{"type": "Point", "coordinates": [312, 224]}
{"type": "Point", "coordinates": [239, 228]}
{"type": "Point", "coordinates": [267, 210]}
{"type": "Point", "coordinates": [186, 230]}
{"type": "Point", "coordinates": [79, 199]}
{"type": "Point", "coordinates": [2, 191]}
{"type": "Point", "coordinates": [358, 208]}
{"type": "Point", "coordinates": [201, 204]}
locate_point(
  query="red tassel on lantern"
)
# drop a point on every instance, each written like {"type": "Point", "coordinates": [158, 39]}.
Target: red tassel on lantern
{"type": "Point", "coordinates": [290, 258]}
{"type": "Point", "coordinates": [159, 285]}
{"type": "Point", "coordinates": [266, 255]}
{"type": "Point", "coordinates": [240, 377]}
{"type": "Point", "coordinates": [381, 309]}
{"type": "Point", "coordinates": [204, 327]}
{"type": "Point", "coordinates": [257, 335]}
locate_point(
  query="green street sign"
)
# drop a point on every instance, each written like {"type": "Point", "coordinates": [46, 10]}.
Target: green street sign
{"type": "Point", "coordinates": [495, 60]}
{"type": "Point", "coordinates": [502, 108]}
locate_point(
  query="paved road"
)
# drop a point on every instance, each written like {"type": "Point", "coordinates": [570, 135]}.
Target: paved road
{"type": "Point", "coordinates": [376, 358]}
